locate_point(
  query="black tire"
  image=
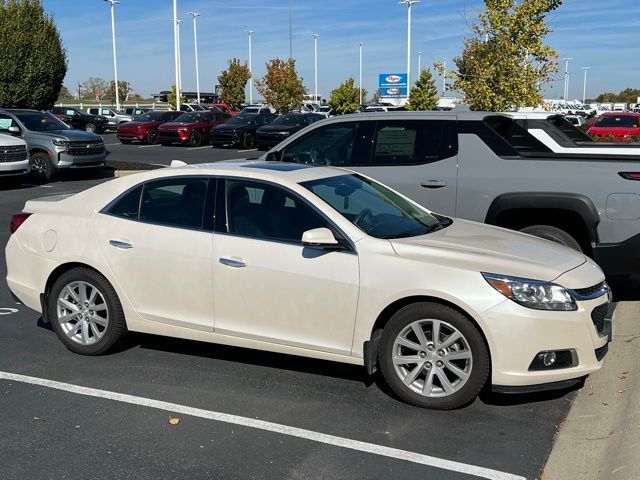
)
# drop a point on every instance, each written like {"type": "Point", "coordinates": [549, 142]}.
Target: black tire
{"type": "Point", "coordinates": [90, 127]}
{"type": "Point", "coordinates": [248, 141]}
{"type": "Point", "coordinates": [554, 234]}
{"type": "Point", "coordinates": [116, 328]}
{"type": "Point", "coordinates": [42, 168]}
{"type": "Point", "coordinates": [480, 363]}
{"type": "Point", "coordinates": [195, 140]}
{"type": "Point", "coordinates": [152, 137]}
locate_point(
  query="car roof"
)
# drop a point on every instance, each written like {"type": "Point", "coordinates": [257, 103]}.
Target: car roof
{"type": "Point", "coordinates": [21, 110]}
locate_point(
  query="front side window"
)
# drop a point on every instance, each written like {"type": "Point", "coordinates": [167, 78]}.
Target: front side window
{"type": "Point", "coordinates": [6, 121]}
{"type": "Point", "coordinates": [342, 144]}
{"type": "Point", "coordinates": [373, 208]}
{"type": "Point", "coordinates": [267, 212]}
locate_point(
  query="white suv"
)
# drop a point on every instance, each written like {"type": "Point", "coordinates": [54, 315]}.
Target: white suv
{"type": "Point", "coordinates": [14, 158]}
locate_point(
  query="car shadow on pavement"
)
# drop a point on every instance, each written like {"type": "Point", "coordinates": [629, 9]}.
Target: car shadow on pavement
{"type": "Point", "coordinates": [511, 399]}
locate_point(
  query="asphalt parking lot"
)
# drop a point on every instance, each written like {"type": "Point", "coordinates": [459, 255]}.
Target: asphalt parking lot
{"type": "Point", "coordinates": [322, 411]}
{"type": "Point", "coordinates": [158, 155]}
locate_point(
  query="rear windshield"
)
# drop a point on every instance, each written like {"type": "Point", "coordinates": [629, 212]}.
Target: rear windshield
{"type": "Point", "coordinates": [624, 121]}
{"type": "Point", "coordinates": [41, 122]}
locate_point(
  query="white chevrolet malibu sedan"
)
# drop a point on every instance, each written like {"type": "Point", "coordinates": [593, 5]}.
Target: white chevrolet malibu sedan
{"type": "Point", "coordinates": [317, 262]}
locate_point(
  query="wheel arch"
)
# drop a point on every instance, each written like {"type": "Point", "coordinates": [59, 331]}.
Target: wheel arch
{"type": "Point", "coordinates": [579, 208]}
{"type": "Point", "coordinates": [370, 347]}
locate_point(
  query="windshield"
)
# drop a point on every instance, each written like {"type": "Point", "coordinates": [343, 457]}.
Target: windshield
{"type": "Point", "coordinates": [149, 117]}
{"type": "Point", "coordinates": [373, 208]}
{"type": "Point", "coordinates": [189, 117]}
{"type": "Point", "coordinates": [41, 122]}
{"type": "Point", "coordinates": [288, 120]}
{"type": "Point", "coordinates": [242, 119]}
{"type": "Point", "coordinates": [624, 121]}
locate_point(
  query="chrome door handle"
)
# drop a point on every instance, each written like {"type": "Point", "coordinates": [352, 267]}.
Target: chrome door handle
{"type": "Point", "coordinates": [120, 244]}
{"type": "Point", "coordinates": [232, 262]}
{"type": "Point", "coordinates": [433, 184]}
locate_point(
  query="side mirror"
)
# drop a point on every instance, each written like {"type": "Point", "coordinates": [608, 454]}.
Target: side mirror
{"type": "Point", "coordinates": [14, 130]}
{"type": "Point", "coordinates": [319, 237]}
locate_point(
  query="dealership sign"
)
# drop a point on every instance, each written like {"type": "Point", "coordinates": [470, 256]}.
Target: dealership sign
{"type": "Point", "coordinates": [392, 84]}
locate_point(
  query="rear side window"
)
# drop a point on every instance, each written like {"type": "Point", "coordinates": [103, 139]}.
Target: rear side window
{"type": "Point", "coordinates": [178, 202]}
{"type": "Point", "coordinates": [128, 205]}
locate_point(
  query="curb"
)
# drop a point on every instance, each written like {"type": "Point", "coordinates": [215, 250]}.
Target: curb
{"type": "Point", "coordinates": [600, 439]}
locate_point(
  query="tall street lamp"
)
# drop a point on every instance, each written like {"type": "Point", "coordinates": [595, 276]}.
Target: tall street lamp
{"type": "Point", "coordinates": [444, 76]}
{"type": "Point", "coordinates": [250, 32]}
{"type": "Point", "coordinates": [175, 51]}
{"type": "Point", "coordinates": [419, 63]}
{"type": "Point", "coordinates": [409, 3]}
{"type": "Point", "coordinates": [360, 82]}
{"type": "Point", "coordinates": [315, 66]}
{"type": "Point", "coordinates": [195, 42]}
{"type": "Point", "coordinates": [290, 31]}
{"type": "Point", "coordinates": [115, 61]}
{"type": "Point", "coordinates": [566, 78]}
{"type": "Point", "coordinates": [584, 86]}
{"type": "Point", "coordinates": [179, 22]}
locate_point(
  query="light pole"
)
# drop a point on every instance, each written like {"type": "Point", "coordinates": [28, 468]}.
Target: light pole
{"type": "Point", "coordinates": [250, 32]}
{"type": "Point", "coordinates": [195, 42]}
{"type": "Point", "coordinates": [315, 67]}
{"type": "Point", "coordinates": [419, 63]}
{"type": "Point", "coordinates": [360, 82]}
{"type": "Point", "coordinates": [566, 77]}
{"type": "Point", "coordinates": [444, 76]}
{"type": "Point", "coordinates": [175, 51]}
{"type": "Point", "coordinates": [290, 31]}
{"type": "Point", "coordinates": [115, 61]}
{"type": "Point", "coordinates": [179, 57]}
{"type": "Point", "coordinates": [409, 4]}
{"type": "Point", "coordinates": [584, 86]}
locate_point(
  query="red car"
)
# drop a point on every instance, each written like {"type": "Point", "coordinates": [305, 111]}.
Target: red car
{"type": "Point", "coordinates": [227, 108]}
{"type": "Point", "coordinates": [190, 128]}
{"type": "Point", "coordinates": [145, 127]}
{"type": "Point", "coordinates": [624, 127]}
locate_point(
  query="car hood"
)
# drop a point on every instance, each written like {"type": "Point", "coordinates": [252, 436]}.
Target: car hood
{"type": "Point", "coordinates": [226, 126]}
{"type": "Point", "coordinates": [280, 128]}
{"type": "Point", "coordinates": [175, 125]}
{"type": "Point", "coordinates": [484, 248]}
{"type": "Point", "coordinates": [73, 135]}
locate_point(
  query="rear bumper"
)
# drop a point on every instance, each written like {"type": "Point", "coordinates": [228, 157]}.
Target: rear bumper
{"type": "Point", "coordinates": [619, 258]}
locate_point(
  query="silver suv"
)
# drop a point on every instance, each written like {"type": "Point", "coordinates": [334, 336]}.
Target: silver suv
{"type": "Point", "coordinates": [14, 160]}
{"type": "Point", "coordinates": [52, 144]}
{"type": "Point", "coordinates": [114, 117]}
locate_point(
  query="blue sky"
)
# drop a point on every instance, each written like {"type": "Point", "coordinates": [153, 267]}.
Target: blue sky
{"type": "Point", "coordinates": [604, 35]}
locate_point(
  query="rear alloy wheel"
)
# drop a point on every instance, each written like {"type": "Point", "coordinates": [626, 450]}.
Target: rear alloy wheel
{"type": "Point", "coordinates": [41, 166]}
{"type": "Point", "coordinates": [85, 312]}
{"type": "Point", "coordinates": [248, 141]}
{"type": "Point", "coordinates": [90, 127]}
{"type": "Point", "coordinates": [152, 137]}
{"type": "Point", "coordinates": [432, 356]}
{"type": "Point", "coordinates": [195, 140]}
{"type": "Point", "coordinates": [554, 234]}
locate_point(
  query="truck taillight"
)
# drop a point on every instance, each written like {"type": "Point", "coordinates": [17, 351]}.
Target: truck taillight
{"type": "Point", "coordinates": [17, 220]}
{"type": "Point", "coordinates": [630, 175]}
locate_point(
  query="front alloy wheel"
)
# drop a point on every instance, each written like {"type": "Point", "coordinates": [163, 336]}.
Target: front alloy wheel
{"type": "Point", "coordinates": [433, 356]}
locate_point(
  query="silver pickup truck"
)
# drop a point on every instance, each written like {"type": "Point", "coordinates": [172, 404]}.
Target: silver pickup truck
{"type": "Point", "coordinates": [469, 165]}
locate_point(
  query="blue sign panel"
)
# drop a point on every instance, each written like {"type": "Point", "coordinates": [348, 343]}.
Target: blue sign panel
{"type": "Point", "coordinates": [393, 84]}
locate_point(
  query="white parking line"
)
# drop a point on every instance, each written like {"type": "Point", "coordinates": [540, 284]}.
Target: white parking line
{"type": "Point", "coordinates": [199, 148]}
{"type": "Point", "coordinates": [268, 426]}
{"type": "Point", "coordinates": [150, 146]}
{"type": "Point", "coordinates": [243, 151]}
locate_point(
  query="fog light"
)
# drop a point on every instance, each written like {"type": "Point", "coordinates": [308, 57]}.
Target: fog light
{"type": "Point", "coordinates": [554, 359]}
{"type": "Point", "coordinates": [549, 359]}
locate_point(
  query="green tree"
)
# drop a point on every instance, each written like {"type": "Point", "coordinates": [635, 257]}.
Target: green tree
{"type": "Point", "coordinates": [171, 98]}
{"type": "Point", "coordinates": [506, 62]}
{"type": "Point", "coordinates": [65, 94]}
{"type": "Point", "coordinates": [424, 94]}
{"type": "Point", "coordinates": [233, 82]}
{"type": "Point", "coordinates": [628, 95]}
{"type": "Point", "coordinates": [33, 62]}
{"type": "Point", "coordinates": [281, 87]}
{"type": "Point", "coordinates": [124, 89]}
{"type": "Point", "coordinates": [346, 97]}
{"type": "Point", "coordinates": [94, 88]}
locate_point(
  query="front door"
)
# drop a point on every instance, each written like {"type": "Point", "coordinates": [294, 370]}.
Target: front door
{"type": "Point", "coordinates": [268, 286]}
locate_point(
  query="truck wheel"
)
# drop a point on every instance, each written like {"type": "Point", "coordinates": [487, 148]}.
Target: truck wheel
{"type": "Point", "coordinates": [90, 127]}
{"type": "Point", "coordinates": [41, 166]}
{"type": "Point", "coordinates": [432, 356]}
{"type": "Point", "coordinates": [554, 234]}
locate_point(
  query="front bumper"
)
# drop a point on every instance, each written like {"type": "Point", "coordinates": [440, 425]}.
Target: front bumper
{"type": "Point", "coordinates": [172, 137]}
{"type": "Point", "coordinates": [269, 140]}
{"type": "Point", "coordinates": [225, 139]}
{"type": "Point", "coordinates": [11, 169]}
{"type": "Point", "coordinates": [518, 334]}
{"type": "Point", "coordinates": [138, 135]}
{"type": "Point", "coordinates": [67, 161]}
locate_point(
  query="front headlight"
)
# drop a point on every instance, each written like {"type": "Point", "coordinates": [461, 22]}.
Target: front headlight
{"type": "Point", "coordinates": [534, 294]}
{"type": "Point", "coordinates": [60, 142]}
